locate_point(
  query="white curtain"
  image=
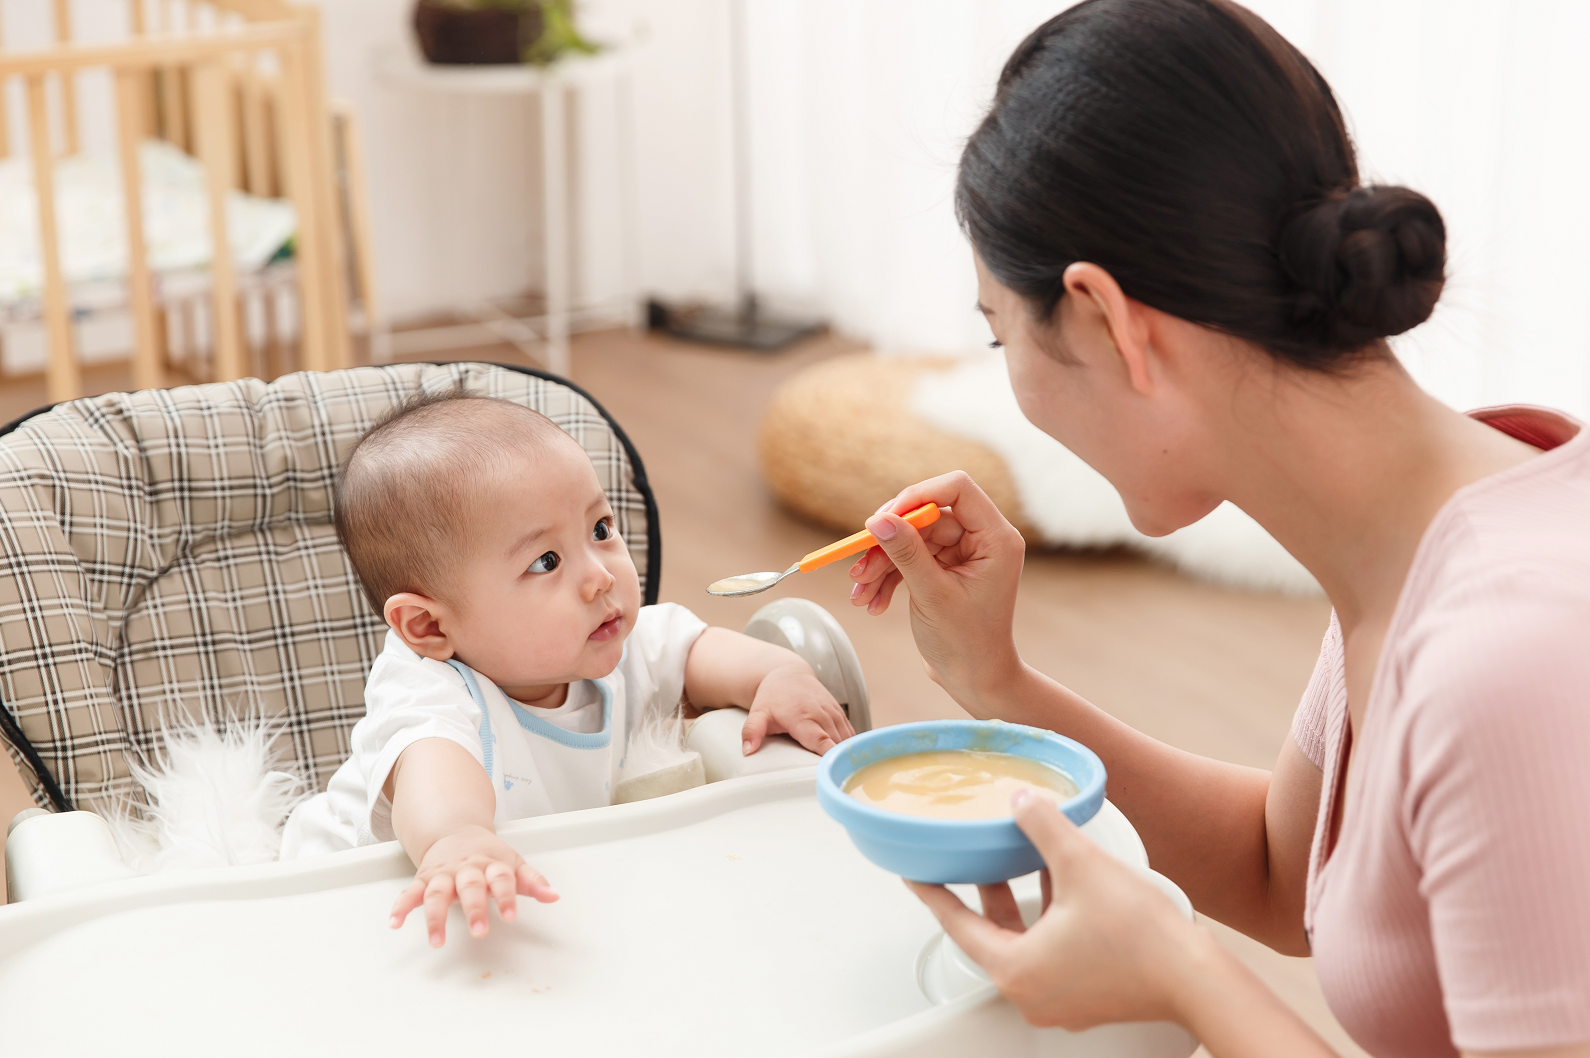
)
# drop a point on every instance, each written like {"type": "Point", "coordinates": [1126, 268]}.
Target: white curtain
{"type": "Point", "coordinates": [860, 107]}
{"type": "Point", "coordinates": [860, 110]}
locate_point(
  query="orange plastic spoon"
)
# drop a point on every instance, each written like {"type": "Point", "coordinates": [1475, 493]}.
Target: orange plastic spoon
{"type": "Point", "coordinates": [751, 583]}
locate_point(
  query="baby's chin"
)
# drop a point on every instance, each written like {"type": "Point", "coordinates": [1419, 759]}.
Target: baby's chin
{"type": "Point", "coordinates": [599, 659]}
{"type": "Point", "coordinates": [596, 662]}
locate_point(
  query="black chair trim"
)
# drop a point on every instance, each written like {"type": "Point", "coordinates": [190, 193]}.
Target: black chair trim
{"type": "Point", "coordinates": [8, 723]}
{"type": "Point", "coordinates": [11, 426]}
{"type": "Point", "coordinates": [13, 733]}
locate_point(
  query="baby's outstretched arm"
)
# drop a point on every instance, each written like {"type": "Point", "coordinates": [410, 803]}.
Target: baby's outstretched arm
{"type": "Point", "coordinates": [442, 809]}
{"type": "Point", "coordinates": [780, 690]}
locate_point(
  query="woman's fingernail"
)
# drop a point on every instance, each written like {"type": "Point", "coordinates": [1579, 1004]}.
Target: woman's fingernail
{"type": "Point", "coordinates": [855, 571]}
{"type": "Point", "coordinates": [855, 592]}
{"type": "Point", "coordinates": [883, 529]}
{"type": "Point", "coordinates": [1019, 798]}
{"type": "Point", "coordinates": [478, 929]}
{"type": "Point", "coordinates": [436, 940]}
{"type": "Point", "coordinates": [394, 922]}
{"type": "Point", "coordinates": [508, 914]}
{"type": "Point", "coordinates": [745, 749]}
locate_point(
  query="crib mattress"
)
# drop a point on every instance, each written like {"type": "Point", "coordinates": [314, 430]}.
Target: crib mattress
{"type": "Point", "coordinates": [733, 919]}
{"type": "Point", "coordinates": [93, 228]}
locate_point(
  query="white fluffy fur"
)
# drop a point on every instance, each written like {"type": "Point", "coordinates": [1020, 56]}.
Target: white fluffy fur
{"type": "Point", "coordinates": [657, 742]}
{"type": "Point", "coordinates": [218, 799]}
{"type": "Point", "coordinates": [213, 800]}
{"type": "Point", "coordinates": [1071, 504]}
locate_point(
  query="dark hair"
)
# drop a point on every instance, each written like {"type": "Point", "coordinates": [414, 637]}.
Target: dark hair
{"type": "Point", "coordinates": [405, 497]}
{"type": "Point", "coordinates": [1186, 148]}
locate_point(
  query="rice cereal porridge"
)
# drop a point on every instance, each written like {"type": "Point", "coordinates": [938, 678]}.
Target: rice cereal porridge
{"type": "Point", "coordinates": [955, 783]}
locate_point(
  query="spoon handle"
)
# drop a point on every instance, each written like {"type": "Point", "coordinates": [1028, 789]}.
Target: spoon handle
{"type": "Point", "coordinates": [922, 517]}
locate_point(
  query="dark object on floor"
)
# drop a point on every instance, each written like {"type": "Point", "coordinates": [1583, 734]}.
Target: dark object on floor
{"type": "Point", "coordinates": [746, 328]}
{"type": "Point", "coordinates": [450, 35]}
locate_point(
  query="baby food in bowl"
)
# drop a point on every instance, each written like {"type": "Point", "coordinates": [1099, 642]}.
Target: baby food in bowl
{"type": "Point", "coordinates": [958, 776]}
{"type": "Point", "coordinates": [955, 783]}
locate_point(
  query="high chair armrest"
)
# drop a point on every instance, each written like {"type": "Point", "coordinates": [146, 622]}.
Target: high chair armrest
{"type": "Point", "coordinates": [814, 634]}
{"type": "Point", "coordinates": [716, 736]}
{"type": "Point", "coordinates": [51, 852]}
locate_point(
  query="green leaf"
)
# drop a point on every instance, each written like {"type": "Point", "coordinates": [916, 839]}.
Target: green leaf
{"type": "Point", "coordinates": [559, 35]}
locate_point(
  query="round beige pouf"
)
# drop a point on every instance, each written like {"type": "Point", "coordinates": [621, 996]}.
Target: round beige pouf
{"type": "Point", "coordinates": [839, 438]}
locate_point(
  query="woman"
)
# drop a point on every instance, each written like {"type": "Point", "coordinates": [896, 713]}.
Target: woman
{"type": "Point", "coordinates": [1193, 291]}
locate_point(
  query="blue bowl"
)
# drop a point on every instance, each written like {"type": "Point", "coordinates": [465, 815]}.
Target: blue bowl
{"type": "Point", "coordinates": [945, 851]}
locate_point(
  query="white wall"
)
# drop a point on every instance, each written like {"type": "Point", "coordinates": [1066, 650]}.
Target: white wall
{"type": "Point", "coordinates": [453, 183]}
{"type": "Point", "coordinates": [455, 191]}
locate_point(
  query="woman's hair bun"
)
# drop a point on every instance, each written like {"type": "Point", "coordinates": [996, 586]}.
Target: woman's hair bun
{"type": "Point", "coordinates": [1365, 263]}
{"type": "Point", "coordinates": [1187, 149]}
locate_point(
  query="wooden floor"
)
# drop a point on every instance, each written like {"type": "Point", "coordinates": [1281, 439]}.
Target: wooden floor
{"type": "Point", "coordinates": [1214, 671]}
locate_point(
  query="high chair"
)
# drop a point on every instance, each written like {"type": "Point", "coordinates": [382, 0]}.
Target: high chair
{"type": "Point", "coordinates": [171, 554]}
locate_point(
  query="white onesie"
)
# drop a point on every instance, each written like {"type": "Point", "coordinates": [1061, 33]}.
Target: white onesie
{"type": "Point", "coordinates": [540, 760]}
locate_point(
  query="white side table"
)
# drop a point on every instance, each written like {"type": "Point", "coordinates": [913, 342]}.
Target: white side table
{"type": "Point", "coordinates": [543, 337]}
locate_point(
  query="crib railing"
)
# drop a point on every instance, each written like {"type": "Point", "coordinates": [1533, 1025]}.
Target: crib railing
{"type": "Point", "coordinates": [239, 85]}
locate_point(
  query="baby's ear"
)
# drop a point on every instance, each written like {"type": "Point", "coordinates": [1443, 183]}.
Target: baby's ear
{"type": "Point", "coordinates": [418, 622]}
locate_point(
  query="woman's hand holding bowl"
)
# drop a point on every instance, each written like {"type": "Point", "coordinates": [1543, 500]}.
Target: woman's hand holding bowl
{"type": "Point", "coordinates": [962, 572]}
{"type": "Point", "coordinates": [1108, 947]}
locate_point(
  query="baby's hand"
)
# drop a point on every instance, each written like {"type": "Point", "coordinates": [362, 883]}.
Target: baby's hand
{"type": "Point", "coordinates": [791, 700]}
{"type": "Point", "coordinates": [469, 866]}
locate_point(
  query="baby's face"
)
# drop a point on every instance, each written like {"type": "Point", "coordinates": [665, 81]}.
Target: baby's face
{"type": "Point", "coordinates": [547, 592]}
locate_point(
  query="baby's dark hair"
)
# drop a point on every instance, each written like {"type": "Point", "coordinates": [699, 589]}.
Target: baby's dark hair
{"type": "Point", "coordinates": [1186, 148]}
{"type": "Point", "coordinates": [407, 493]}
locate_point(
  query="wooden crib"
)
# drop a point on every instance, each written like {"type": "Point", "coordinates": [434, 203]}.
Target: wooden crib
{"type": "Point", "coordinates": [239, 86]}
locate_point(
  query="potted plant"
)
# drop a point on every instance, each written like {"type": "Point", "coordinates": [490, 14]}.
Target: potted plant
{"type": "Point", "coordinates": [470, 32]}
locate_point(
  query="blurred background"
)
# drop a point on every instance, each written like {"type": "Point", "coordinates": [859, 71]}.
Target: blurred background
{"type": "Point", "coordinates": [661, 161]}
{"type": "Point", "coordinates": [857, 111]}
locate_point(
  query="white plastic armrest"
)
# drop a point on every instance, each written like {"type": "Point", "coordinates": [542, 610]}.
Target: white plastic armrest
{"type": "Point", "coordinates": [716, 736]}
{"type": "Point", "coordinates": [51, 852]}
{"type": "Point", "coordinates": [813, 633]}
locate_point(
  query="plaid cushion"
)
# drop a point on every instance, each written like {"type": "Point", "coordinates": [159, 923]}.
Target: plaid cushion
{"type": "Point", "coordinates": [170, 554]}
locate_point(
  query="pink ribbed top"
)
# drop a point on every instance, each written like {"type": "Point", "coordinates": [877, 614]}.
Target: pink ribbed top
{"type": "Point", "coordinates": [1453, 912]}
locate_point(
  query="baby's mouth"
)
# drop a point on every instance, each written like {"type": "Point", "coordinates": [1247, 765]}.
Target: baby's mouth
{"type": "Point", "coordinates": [608, 629]}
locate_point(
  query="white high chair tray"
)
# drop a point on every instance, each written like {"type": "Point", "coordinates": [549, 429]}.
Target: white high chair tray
{"type": "Point", "coordinates": [733, 919]}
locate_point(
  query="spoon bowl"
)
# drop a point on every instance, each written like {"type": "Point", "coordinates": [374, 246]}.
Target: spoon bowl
{"type": "Point", "coordinates": [748, 583]}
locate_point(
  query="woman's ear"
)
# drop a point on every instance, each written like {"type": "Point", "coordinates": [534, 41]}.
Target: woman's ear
{"type": "Point", "coordinates": [1124, 318]}
{"type": "Point", "coordinates": [418, 622]}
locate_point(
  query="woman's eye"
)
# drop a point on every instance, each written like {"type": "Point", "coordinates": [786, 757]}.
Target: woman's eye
{"type": "Point", "coordinates": [546, 563]}
{"type": "Point", "coordinates": [604, 530]}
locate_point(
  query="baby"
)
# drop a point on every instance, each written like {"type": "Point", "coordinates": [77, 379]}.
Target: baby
{"type": "Point", "coordinates": [518, 658]}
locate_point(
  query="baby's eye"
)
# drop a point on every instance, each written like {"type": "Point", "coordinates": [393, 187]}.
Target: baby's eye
{"type": "Point", "coordinates": [546, 563]}
{"type": "Point", "coordinates": [604, 530]}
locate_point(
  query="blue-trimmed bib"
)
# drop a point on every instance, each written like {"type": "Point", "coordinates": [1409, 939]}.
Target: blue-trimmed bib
{"type": "Point", "coordinates": [536, 767]}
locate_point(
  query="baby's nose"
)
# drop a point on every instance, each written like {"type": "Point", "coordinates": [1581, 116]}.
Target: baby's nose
{"type": "Point", "coordinates": [600, 582]}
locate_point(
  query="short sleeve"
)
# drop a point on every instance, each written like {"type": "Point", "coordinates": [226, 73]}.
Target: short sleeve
{"type": "Point", "coordinates": [655, 656]}
{"type": "Point", "coordinates": [1309, 722]}
{"type": "Point", "coordinates": [1496, 809]}
{"type": "Point", "coordinates": [407, 700]}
